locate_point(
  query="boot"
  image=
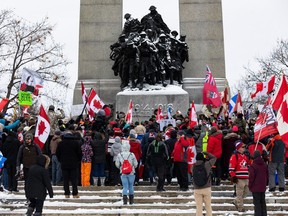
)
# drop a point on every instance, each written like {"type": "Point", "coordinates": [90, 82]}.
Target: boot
{"type": "Point", "coordinates": [163, 80]}
{"type": "Point", "coordinates": [102, 179]}
{"type": "Point", "coordinates": [98, 181]}
{"type": "Point", "coordinates": [180, 81]}
{"type": "Point", "coordinates": [37, 214]}
{"type": "Point", "coordinates": [30, 211]}
{"type": "Point", "coordinates": [125, 199]}
{"type": "Point", "coordinates": [131, 199]}
{"type": "Point", "coordinates": [141, 85]}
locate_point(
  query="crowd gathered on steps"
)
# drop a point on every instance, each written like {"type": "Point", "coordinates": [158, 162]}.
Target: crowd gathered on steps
{"type": "Point", "coordinates": [86, 153]}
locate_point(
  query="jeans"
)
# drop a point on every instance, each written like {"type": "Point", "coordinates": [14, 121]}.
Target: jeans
{"type": "Point", "coordinates": [4, 178]}
{"type": "Point", "coordinates": [128, 182]}
{"type": "Point", "coordinates": [56, 170]}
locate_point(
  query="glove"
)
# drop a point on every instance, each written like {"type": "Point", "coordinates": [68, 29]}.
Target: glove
{"type": "Point", "coordinates": [234, 179]}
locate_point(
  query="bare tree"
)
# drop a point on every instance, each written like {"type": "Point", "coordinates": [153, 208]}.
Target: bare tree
{"type": "Point", "coordinates": [276, 63]}
{"type": "Point", "coordinates": [31, 45]}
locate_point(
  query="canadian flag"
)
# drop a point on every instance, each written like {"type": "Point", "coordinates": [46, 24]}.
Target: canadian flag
{"type": "Point", "coordinates": [85, 101]}
{"type": "Point", "coordinates": [94, 102]}
{"type": "Point", "coordinates": [159, 114]}
{"type": "Point", "coordinates": [42, 128]}
{"type": "Point", "coordinates": [3, 103]}
{"type": "Point", "coordinates": [264, 88]}
{"type": "Point", "coordinates": [129, 113]}
{"type": "Point", "coordinates": [280, 103]}
{"type": "Point", "coordinates": [193, 116]}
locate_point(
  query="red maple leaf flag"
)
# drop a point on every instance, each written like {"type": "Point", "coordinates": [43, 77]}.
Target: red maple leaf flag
{"type": "Point", "coordinates": [85, 99]}
{"type": "Point", "coordinates": [3, 103]}
{"type": "Point", "coordinates": [159, 114]}
{"type": "Point", "coordinates": [210, 91]}
{"type": "Point", "coordinates": [238, 105]}
{"type": "Point", "coordinates": [264, 88]}
{"type": "Point", "coordinates": [193, 116]}
{"type": "Point", "coordinates": [94, 102]}
{"type": "Point", "coordinates": [42, 128]}
{"type": "Point", "coordinates": [279, 95]}
{"type": "Point", "coordinates": [129, 113]}
{"type": "Point", "coordinates": [282, 114]}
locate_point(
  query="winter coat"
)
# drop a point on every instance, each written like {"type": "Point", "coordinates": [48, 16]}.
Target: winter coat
{"type": "Point", "coordinates": [11, 125]}
{"type": "Point", "coordinates": [208, 165]}
{"type": "Point", "coordinates": [87, 152]}
{"type": "Point", "coordinates": [215, 144]}
{"type": "Point", "coordinates": [179, 153]}
{"type": "Point", "coordinates": [69, 151]}
{"type": "Point", "coordinates": [115, 150]}
{"type": "Point", "coordinates": [126, 154]}
{"type": "Point", "coordinates": [238, 166]}
{"type": "Point", "coordinates": [258, 176]}
{"type": "Point", "coordinates": [157, 150]}
{"type": "Point", "coordinates": [228, 146]}
{"type": "Point", "coordinates": [38, 181]}
{"type": "Point", "coordinates": [135, 147]}
{"type": "Point", "coordinates": [53, 118]}
{"type": "Point", "coordinates": [170, 143]}
{"type": "Point", "coordinates": [54, 143]}
{"type": "Point", "coordinates": [27, 155]}
{"type": "Point", "coordinates": [10, 149]}
{"type": "Point", "coordinates": [99, 146]}
{"type": "Point", "coordinates": [276, 147]}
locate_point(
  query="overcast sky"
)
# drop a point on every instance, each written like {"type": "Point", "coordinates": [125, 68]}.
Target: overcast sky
{"type": "Point", "coordinates": [251, 27]}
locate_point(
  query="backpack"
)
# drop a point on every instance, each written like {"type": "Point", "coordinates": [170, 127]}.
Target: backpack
{"type": "Point", "coordinates": [126, 166]}
{"type": "Point", "coordinates": [200, 176]}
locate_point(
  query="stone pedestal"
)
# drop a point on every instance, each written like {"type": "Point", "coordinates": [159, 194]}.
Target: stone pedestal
{"type": "Point", "coordinates": [147, 100]}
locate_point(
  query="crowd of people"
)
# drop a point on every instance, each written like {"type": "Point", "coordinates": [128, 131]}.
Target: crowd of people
{"type": "Point", "coordinates": [89, 153]}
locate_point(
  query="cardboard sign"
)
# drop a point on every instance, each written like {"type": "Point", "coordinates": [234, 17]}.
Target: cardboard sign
{"type": "Point", "coordinates": [24, 98]}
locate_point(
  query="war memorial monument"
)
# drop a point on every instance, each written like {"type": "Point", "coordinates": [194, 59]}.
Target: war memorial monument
{"type": "Point", "coordinates": [101, 25]}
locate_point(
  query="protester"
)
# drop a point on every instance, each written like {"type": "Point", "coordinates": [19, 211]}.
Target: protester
{"type": "Point", "coordinates": [116, 148]}
{"type": "Point", "coordinates": [69, 155]}
{"type": "Point", "coordinates": [127, 179]}
{"type": "Point", "coordinates": [27, 155]}
{"type": "Point", "coordinates": [158, 155]}
{"type": "Point", "coordinates": [56, 166]}
{"type": "Point", "coordinates": [202, 192]}
{"type": "Point", "coordinates": [238, 170]}
{"type": "Point", "coordinates": [179, 156]}
{"type": "Point", "coordinates": [37, 185]}
{"type": "Point", "coordinates": [276, 147]}
{"type": "Point", "coordinates": [86, 161]}
{"type": "Point", "coordinates": [258, 180]}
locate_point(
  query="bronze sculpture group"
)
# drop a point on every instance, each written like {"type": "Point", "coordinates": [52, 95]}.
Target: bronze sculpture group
{"type": "Point", "coordinates": [148, 52]}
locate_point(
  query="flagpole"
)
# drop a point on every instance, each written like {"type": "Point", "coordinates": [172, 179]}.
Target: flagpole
{"type": "Point", "coordinates": [85, 103]}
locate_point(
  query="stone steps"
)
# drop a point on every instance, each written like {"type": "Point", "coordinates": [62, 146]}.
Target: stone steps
{"type": "Point", "coordinates": [107, 200]}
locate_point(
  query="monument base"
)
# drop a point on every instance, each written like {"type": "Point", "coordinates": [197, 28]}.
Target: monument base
{"type": "Point", "coordinates": [148, 99]}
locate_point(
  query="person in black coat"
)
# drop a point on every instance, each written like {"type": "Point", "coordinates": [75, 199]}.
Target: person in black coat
{"type": "Point", "coordinates": [69, 155]}
{"type": "Point", "coordinates": [10, 150]}
{"type": "Point", "coordinates": [37, 184]}
{"type": "Point", "coordinates": [258, 180]}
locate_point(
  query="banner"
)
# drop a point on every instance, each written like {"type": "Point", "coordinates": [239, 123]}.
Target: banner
{"type": "Point", "coordinates": [24, 98]}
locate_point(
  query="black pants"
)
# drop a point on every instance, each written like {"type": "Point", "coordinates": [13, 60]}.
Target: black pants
{"type": "Point", "coordinates": [181, 170]}
{"type": "Point", "coordinates": [70, 175]}
{"type": "Point", "coordinates": [159, 168]}
{"type": "Point", "coordinates": [259, 204]}
{"type": "Point", "coordinates": [12, 181]}
{"type": "Point", "coordinates": [36, 204]}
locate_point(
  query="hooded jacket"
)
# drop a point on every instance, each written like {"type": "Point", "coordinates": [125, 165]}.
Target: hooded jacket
{"type": "Point", "coordinates": [126, 154]}
{"type": "Point", "coordinates": [38, 180]}
{"type": "Point", "coordinates": [215, 144]}
{"type": "Point", "coordinates": [258, 176]}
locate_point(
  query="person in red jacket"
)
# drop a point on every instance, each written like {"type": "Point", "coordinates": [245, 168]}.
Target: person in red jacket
{"type": "Point", "coordinates": [136, 149]}
{"type": "Point", "coordinates": [180, 157]}
{"type": "Point", "coordinates": [214, 146]}
{"type": "Point", "coordinates": [238, 170]}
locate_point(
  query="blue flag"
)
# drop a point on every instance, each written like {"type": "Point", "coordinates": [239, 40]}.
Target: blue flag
{"type": "Point", "coordinates": [2, 160]}
{"type": "Point", "coordinates": [232, 104]}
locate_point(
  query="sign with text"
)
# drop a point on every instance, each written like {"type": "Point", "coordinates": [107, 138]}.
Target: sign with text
{"type": "Point", "coordinates": [24, 98]}
{"type": "Point", "coordinates": [165, 122]}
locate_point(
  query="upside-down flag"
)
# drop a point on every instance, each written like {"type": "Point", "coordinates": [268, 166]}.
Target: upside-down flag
{"type": "Point", "coordinates": [210, 91]}
{"type": "Point", "coordinates": [42, 128]}
{"type": "Point", "coordinates": [264, 88]}
{"type": "Point", "coordinates": [31, 81]}
{"type": "Point", "coordinates": [129, 113]}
